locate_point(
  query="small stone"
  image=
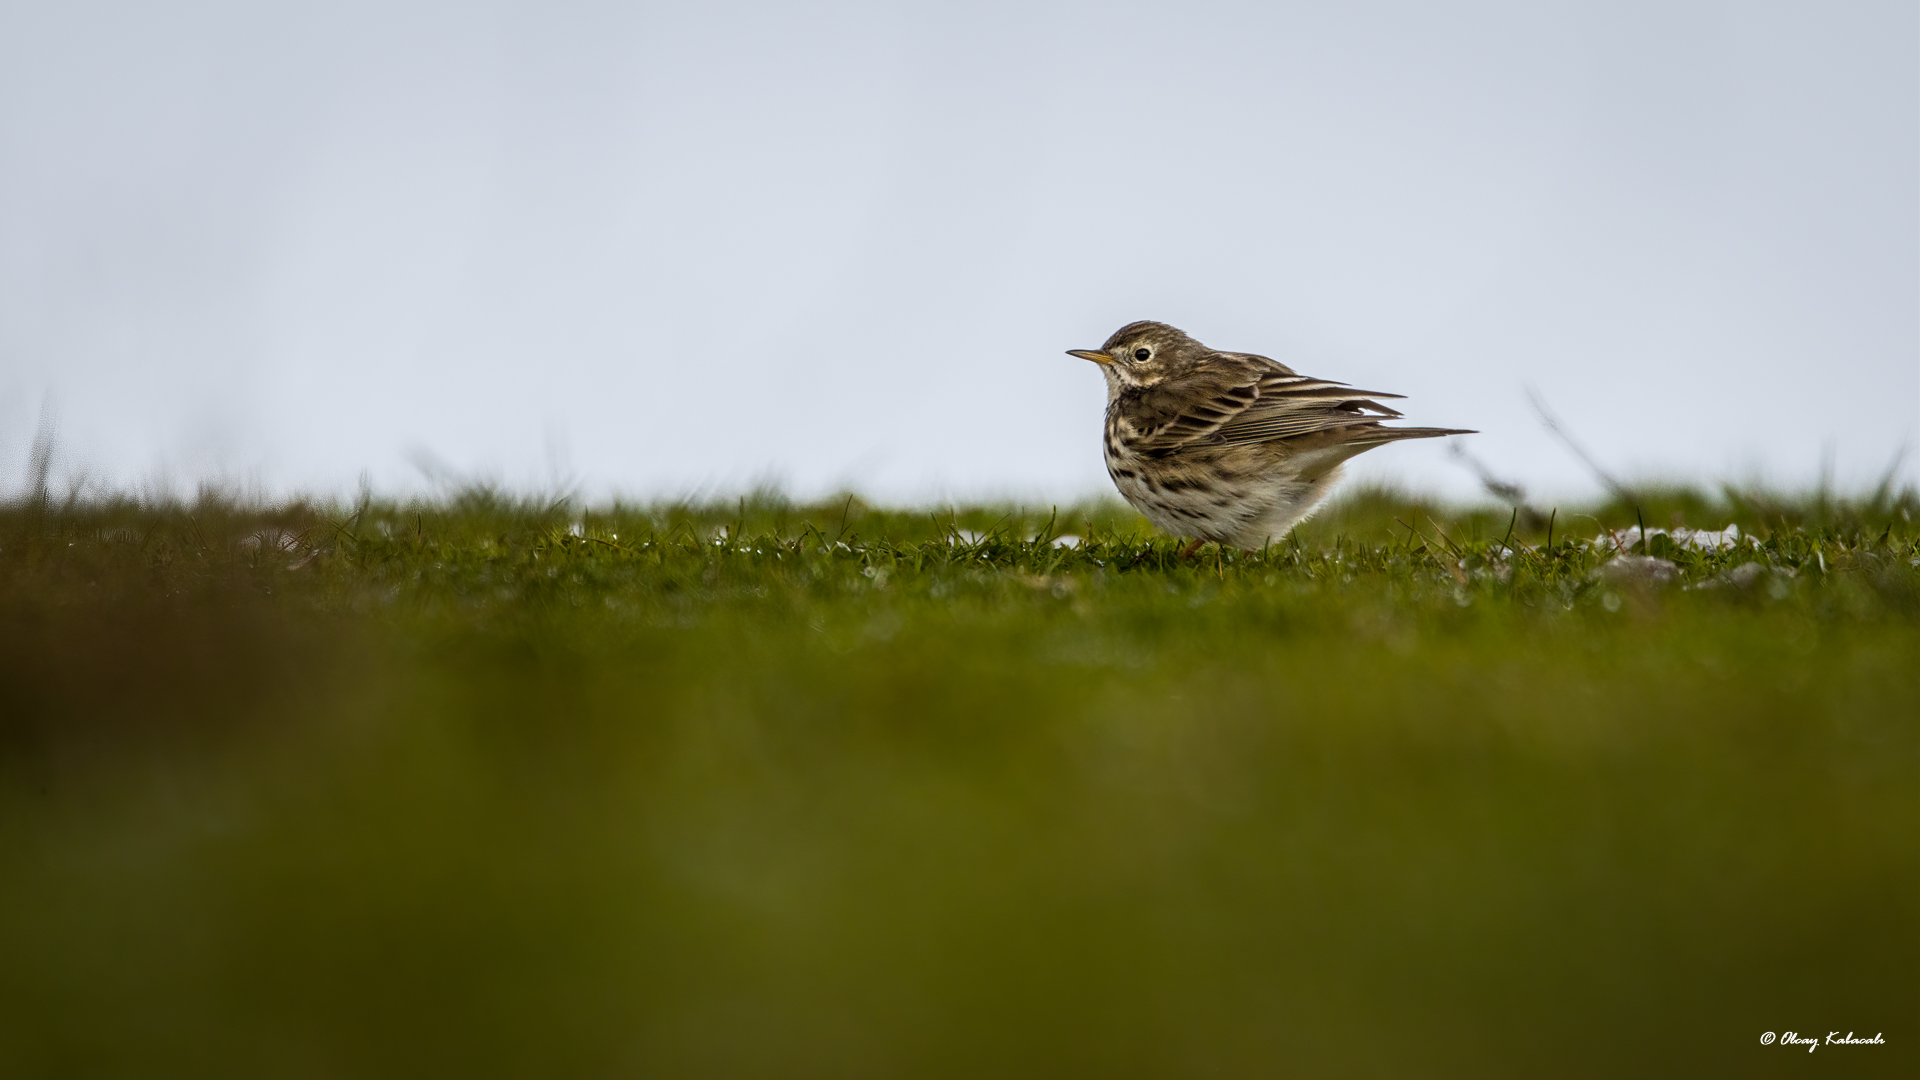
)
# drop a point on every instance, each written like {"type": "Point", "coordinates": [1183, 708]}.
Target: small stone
{"type": "Point", "coordinates": [1643, 569]}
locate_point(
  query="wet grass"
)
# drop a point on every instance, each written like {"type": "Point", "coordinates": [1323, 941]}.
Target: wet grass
{"type": "Point", "coordinates": [489, 786]}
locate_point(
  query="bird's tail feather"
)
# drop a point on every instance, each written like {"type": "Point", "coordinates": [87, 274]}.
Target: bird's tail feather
{"type": "Point", "coordinates": [1387, 434]}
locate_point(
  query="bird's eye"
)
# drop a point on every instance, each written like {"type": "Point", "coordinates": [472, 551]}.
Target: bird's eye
{"type": "Point", "coordinates": [1142, 354]}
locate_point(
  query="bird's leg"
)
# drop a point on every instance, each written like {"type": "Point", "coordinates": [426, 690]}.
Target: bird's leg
{"type": "Point", "coordinates": [1187, 552]}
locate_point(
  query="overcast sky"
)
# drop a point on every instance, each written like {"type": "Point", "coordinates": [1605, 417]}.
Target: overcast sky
{"type": "Point", "coordinates": [654, 249]}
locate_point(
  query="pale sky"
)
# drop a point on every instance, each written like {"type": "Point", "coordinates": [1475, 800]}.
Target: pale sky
{"type": "Point", "coordinates": [659, 249]}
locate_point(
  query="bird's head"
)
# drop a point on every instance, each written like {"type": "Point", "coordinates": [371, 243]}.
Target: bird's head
{"type": "Point", "coordinates": [1142, 354]}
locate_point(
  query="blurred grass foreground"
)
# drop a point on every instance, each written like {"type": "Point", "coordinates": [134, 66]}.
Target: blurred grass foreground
{"type": "Point", "coordinates": [490, 787]}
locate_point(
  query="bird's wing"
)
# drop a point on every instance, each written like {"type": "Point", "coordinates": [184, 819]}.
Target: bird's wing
{"type": "Point", "coordinates": [1293, 405]}
{"type": "Point", "coordinates": [1194, 407]}
{"type": "Point", "coordinates": [1235, 399]}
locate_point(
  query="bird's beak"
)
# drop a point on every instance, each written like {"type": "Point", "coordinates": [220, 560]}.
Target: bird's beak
{"type": "Point", "coordinates": [1094, 355]}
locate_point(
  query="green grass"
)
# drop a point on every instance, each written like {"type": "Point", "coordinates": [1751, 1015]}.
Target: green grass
{"type": "Point", "coordinates": [487, 787]}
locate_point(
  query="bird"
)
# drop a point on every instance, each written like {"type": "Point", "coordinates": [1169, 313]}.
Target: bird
{"type": "Point", "coordinates": [1232, 448]}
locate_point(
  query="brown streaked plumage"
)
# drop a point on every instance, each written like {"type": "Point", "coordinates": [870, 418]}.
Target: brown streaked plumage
{"type": "Point", "coordinates": [1224, 446]}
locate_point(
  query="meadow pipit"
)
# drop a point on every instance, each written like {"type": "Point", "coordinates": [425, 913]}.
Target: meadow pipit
{"type": "Point", "coordinates": [1223, 446]}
